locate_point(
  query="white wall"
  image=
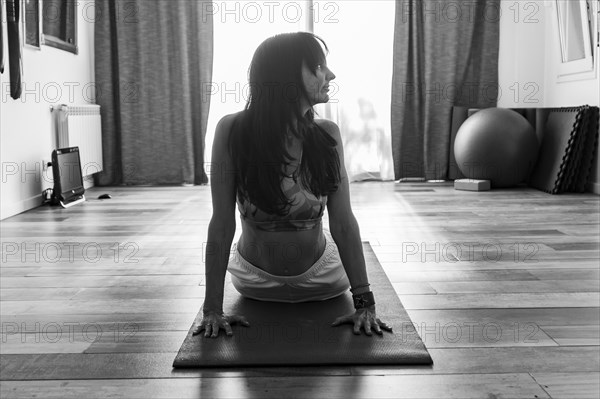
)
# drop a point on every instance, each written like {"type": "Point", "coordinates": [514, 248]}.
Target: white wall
{"type": "Point", "coordinates": [528, 64]}
{"type": "Point", "coordinates": [521, 65]}
{"type": "Point", "coordinates": [50, 76]}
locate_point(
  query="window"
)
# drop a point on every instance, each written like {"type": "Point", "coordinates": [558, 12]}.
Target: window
{"type": "Point", "coordinates": [576, 27]}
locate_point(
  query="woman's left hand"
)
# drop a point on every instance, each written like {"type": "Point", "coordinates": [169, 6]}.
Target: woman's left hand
{"type": "Point", "coordinates": [365, 318]}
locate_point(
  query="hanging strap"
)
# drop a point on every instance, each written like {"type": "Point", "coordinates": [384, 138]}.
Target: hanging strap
{"type": "Point", "coordinates": [1, 38]}
{"type": "Point", "coordinates": [14, 46]}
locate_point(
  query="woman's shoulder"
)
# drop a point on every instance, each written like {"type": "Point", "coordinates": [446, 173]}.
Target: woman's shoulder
{"type": "Point", "coordinates": [223, 131]}
{"type": "Point", "coordinates": [226, 122]}
{"type": "Point", "coordinates": [329, 127]}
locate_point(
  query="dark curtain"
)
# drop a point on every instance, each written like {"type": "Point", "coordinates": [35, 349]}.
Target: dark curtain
{"type": "Point", "coordinates": [445, 54]}
{"type": "Point", "coordinates": [153, 63]}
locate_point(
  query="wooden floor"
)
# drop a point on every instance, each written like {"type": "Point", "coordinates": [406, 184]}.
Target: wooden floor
{"type": "Point", "coordinates": [503, 287]}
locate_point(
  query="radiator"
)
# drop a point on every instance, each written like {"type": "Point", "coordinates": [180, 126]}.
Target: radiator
{"type": "Point", "coordinates": [79, 126]}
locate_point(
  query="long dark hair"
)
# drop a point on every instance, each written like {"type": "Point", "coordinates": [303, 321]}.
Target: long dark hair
{"type": "Point", "coordinates": [257, 140]}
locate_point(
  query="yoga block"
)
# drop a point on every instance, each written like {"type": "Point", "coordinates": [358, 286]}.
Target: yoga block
{"type": "Point", "coordinates": [471, 185]}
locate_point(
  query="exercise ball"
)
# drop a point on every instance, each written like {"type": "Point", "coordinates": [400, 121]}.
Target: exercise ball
{"type": "Point", "coordinates": [496, 144]}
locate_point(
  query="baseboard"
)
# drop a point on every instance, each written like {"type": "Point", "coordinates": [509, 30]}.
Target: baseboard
{"type": "Point", "coordinates": [88, 182]}
{"type": "Point", "coordinates": [593, 187]}
{"type": "Point", "coordinates": [9, 210]}
{"type": "Point", "coordinates": [411, 180]}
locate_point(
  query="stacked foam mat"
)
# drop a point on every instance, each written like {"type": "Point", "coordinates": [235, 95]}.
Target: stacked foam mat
{"type": "Point", "coordinates": [569, 140]}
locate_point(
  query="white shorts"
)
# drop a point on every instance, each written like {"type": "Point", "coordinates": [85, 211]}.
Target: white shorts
{"type": "Point", "coordinates": [324, 280]}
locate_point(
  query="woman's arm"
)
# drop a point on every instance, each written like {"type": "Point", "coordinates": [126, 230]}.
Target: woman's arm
{"type": "Point", "coordinates": [346, 234]}
{"type": "Point", "coordinates": [342, 223]}
{"type": "Point", "coordinates": [221, 230]}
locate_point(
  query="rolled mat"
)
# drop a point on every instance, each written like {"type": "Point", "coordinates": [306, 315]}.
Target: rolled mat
{"type": "Point", "coordinates": [283, 334]}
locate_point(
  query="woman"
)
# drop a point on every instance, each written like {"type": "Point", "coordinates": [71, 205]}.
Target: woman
{"type": "Point", "coordinates": [282, 168]}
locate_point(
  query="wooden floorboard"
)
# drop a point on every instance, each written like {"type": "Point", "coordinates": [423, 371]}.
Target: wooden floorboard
{"type": "Point", "coordinates": [336, 387]}
{"type": "Point", "coordinates": [502, 286]}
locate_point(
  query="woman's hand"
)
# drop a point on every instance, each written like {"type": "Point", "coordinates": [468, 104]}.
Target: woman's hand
{"type": "Point", "coordinates": [213, 321]}
{"type": "Point", "coordinates": [365, 318]}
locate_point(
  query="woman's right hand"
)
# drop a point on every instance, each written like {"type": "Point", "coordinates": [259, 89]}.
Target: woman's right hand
{"type": "Point", "coordinates": [213, 321]}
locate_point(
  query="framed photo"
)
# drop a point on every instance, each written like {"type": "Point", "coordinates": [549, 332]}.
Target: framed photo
{"type": "Point", "coordinates": [59, 24]}
{"type": "Point", "coordinates": [32, 17]}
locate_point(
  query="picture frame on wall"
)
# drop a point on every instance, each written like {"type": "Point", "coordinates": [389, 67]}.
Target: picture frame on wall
{"type": "Point", "coordinates": [59, 24]}
{"type": "Point", "coordinates": [31, 18]}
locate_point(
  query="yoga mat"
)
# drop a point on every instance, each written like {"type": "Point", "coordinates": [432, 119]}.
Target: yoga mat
{"type": "Point", "coordinates": [282, 334]}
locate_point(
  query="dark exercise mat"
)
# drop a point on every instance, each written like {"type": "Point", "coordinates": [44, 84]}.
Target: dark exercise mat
{"type": "Point", "coordinates": [589, 144]}
{"type": "Point", "coordinates": [557, 149]}
{"type": "Point", "coordinates": [282, 334]}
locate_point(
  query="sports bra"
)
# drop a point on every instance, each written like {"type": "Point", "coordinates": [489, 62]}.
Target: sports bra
{"type": "Point", "coordinates": [306, 210]}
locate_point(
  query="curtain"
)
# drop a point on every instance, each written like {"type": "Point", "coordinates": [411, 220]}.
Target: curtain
{"type": "Point", "coordinates": [359, 35]}
{"type": "Point", "coordinates": [153, 68]}
{"type": "Point", "coordinates": [445, 54]}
